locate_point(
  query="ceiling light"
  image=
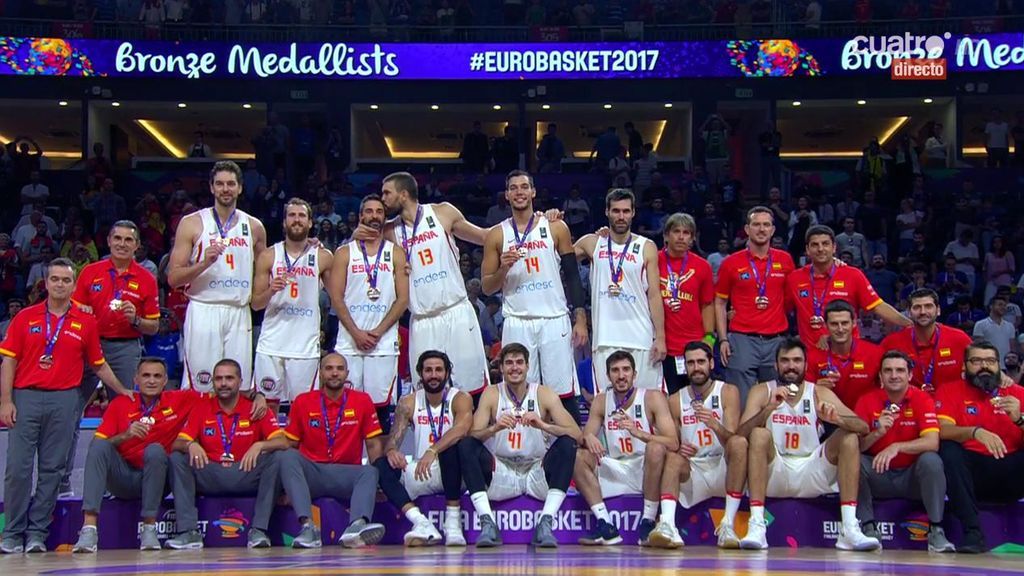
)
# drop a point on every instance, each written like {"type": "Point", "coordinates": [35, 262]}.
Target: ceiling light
{"type": "Point", "coordinates": [928, 100]}
{"type": "Point", "coordinates": [62, 103]}
{"type": "Point", "coordinates": [115, 103]}
{"type": "Point", "coordinates": [374, 107]}
{"type": "Point", "coordinates": [247, 106]}
{"type": "Point", "coordinates": [182, 105]}
{"type": "Point", "coordinates": [861, 102]}
{"type": "Point", "coordinates": [497, 106]}
{"type": "Point", "coordinates": [668, 104]}
{"type": "Point", "coordinates": [796, 103]}
{"type": "Point", "coordinates": [607, 106]}
{"type": "Point", "coordinates": [546, 106]}
{"type": "Point", "coordinates": [435, 107]}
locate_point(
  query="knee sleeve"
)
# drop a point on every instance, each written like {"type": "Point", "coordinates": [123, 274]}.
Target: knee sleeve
{"type": "Point", "coordinates": [476, 463]}
{"type": "Point", "coordinates": [559, 463]}
{"type": "Point", "coordinates": [390, 481]}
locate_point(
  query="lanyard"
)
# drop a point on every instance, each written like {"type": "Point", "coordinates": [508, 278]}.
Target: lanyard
{"type": "Point", "coordinates": [227, 438]}
{"type": "Point", "coordinates": [406, 242]}
{"type": "Point", "coordinates": [53, 335]}
{"type": "Point", "coordinates": [515, 399]}
{"type": "Point", "coordinates": [762, 283]}
{"type": "Point", "coordinates": [617, 270]}
{"type": "Point", "coordinates": [224, 228]}
{"type": "Point", "coordinates": [673, 277]}
{"type": "Point", "coordinates": [332, 431]}
{"type": "Point", "coordinates": [818, 303]}
{"type": "Point", "coordinates": [113, 282]}
{"type": "Point", "coordinates": [289, 264]}
{"type": "Point", "coordinates": [625, 399]}
{"type": "Point", "coordinates": [929, 373]}
{"type": "Point", "coordinates": [147, 410]}
{"type": "Point", "coordinates": [832, 366]}
{"type": "Point", "coordinates": [372, 273]}
{"type": "Point", "coordinates": [526, 232]}
{"type": "Point", "coordinates": [435, 432]}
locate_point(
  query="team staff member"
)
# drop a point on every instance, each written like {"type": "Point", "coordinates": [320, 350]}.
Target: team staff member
{"type": "Point", "coordinates": [848, 365]}
{"type": "Point", "coordinates": [687, 295]}
{"type": "Point", "coordinates": [44, 354]}
{"type": "Point", "coordinates": [936, 349]}
{"type": "Point", "coordinates": [327, 431]}
{"type": "Point", "coordinates": [809, 289]}
{"type": "Point", "coordinates": [753, 282]}
{"type": "Point", "coordinates": [901, 457]}
{"type": "Point", "coordinates": [225, 451]}
{"type": "Point", "coordinates": [123, 297]}
{"type": "Point", "coordinates": [982, 433]}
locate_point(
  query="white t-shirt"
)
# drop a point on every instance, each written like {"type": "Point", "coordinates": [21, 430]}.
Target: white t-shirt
{"type": "Point", "coordinates": [998, 135]}
{"type": "Point", "coordinates": [913, 217]}
{"type": "Point", "coordinates": [999, 334]}
{"type": "Point", "coordinates": [960, 251]}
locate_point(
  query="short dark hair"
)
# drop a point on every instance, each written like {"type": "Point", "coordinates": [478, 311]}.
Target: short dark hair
{"type": "Point", "coordinates": [839, 306]}
{"type": "Point", "coordinates": [698, 345]}
{"type": "Point", "coordinates": [404, 181]}
{"type": "Point", "coordinates": [431, 355]}
{"type": "Point", "coordinates": [125, 224]}
{"type": "Point", "coordinates": [229, 362]}
{"type": "Point", "coordinates": [515, 173]}
{"type": "Point", "coordinates": [790, 343]}
{"type": "Point", "coordinates": [819, 230]}
{"type": "Point", "coordinates": [759, 210]}
{"type": "Point", "coordinates": [925, 293]}
{"type": "Point", "coordinates": [151, 360]}
{"type": "Point", "coordinates": [514, 348]}
{"type": "Point", "coordinates": [62, 262]}
{"type": "Point", "coordinates": [1000, 297]}
{"type": "Point", "coordinates": [891, 354]}
{"type": "Point", "coordinates": [369, 198]}
{"type": "Point", "coordinates": [226, 166]}
{"type": "Point", "coordinates": [618, 194]}
{"type": "Point", "coordinates": [618, 356]}
{"type": "Point", "coordinates": [980, 345]}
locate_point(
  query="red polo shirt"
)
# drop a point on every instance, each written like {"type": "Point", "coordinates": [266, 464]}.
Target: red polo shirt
{"type": "Point", "coordinates": [306, 425]}
{"type": "Point", "coordinates": [961, 404]}
{"type": "Point", "coordinates": [946, 350]}
{"type": "Point", "coordinates": [846, 283]}
{"type": "Point", "coordinates": [170, 414]}
{"type": "Point", "coordinates": [26, 342]}
{"type": "Point", "coordinates": [97, 285]}
{"type": "Point", "coordinates": [915, 419]}
{"type": "Point", "coordinates": [858, 371]}
{"type": "Point", "coordinates": [203, 427]}
{"type": "Point", "coordinates": [736, 282]}
{"type": "Point", "coordinates": [695, 290]}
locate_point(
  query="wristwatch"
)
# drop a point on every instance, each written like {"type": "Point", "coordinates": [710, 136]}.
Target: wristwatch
{"type": "Point", "coordinates": [1020, 421]}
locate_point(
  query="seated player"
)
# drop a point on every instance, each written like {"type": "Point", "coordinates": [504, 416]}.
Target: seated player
{"type": "Point", "coordinates": [223, 450]}
{"type": "Point", "coordinates": [787, 459]}
{"type": "Point", "coordinates": [638, 431]}
{"type": "Point", "coordinates": [440, 416]}
{"type": "Point", "coordinates": [517, 418]}
{"type": "Point", "coordinates": [712, 459]}
{"type": "Point", "coordinates": [327, 431]}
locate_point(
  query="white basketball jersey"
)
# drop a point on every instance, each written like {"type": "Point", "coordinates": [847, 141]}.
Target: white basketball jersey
{"type": "Point", "coordinates": [229, 279]}
{"type": "Point", "coordinates": [291, 324]}
{"type": "Point", "coordinates": [533, 285]}
{"type": "Point", "coordinates": [622, 444]}
{"type": "Point", "coordinates": [521, 443]}
{"type": "Point", "coordinates": [367, 313]}
{"type": "Point", "coordinates": [435, 280]}
{"type": "Point", "coordinates": [443, 417]}
{"type": "Point", "coordinates": [795, 428]}
{"type": "Point", "coordinates": [692, 431]}
{"type": "Point", "coordinates": [623, 320]}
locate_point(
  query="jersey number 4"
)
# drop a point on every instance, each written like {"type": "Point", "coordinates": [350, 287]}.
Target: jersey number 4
{"type": "Point", "coordinates": [229, 259]}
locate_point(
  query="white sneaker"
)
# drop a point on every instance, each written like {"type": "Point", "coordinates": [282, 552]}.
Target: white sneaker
{"type": "Point", "coordinates": [423, 533]}
{"type": "Point", "coordinates": [453, 531]}
{"type": "Point", "coordinates": [665, 535]}
{"type": "Point", "coordinates": [727, 538]}
{"type": "Point", "coordinates": [756, 536]}
{"type": "Point", "coordinates": [851, 538]}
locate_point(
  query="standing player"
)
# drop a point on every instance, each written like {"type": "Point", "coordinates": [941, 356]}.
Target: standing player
{"type": "Point", "coordinates": [522, 260]}
{"type": "Point", "coordinates": [936, 349]}
{"type": "Point", "coordinates": [287, 285]}
{"type": "Point", "coordinates": [848, 365]}
{"type": "Point", "coordinates": [213, 255]}
{"type": "Point", "coordinates": [369, 292]}
{"type": "Point", "coordinates": [625, 292]}
{"type": "Point", "coordinates": [638, 431]}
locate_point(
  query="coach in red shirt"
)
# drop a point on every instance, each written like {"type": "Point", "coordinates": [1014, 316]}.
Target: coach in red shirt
{"type": "Point", "coordinates": [848, 365]}
{"type": "Point", "coordinates": [330, 427]}
{"type": "Point", "coordinates": [752, 282]}
{"type": "Point", "coordinates": [936, 349]}
{"type": "Point", "coordinates": [44, 354]}
{"type": "Point", "coordinates": [982, 435]}
{"type": "Point", "coordinates": [900, 457]}
{"type": "Point", "coordinates": [687, 296]}
{"type": "Point", "coordinates": [811, 288]}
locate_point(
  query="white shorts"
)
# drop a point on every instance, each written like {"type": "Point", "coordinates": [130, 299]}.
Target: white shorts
{"type": "Point", "coordinates": [375, 375]}
{"type": "Point", "coordinates": [619, 476]}
{"type": "Point", "coordinates": [647, 375]}
{"type": "Point", "coordinates": [283, 379]}
{"type": "Point", "coordinates": [511, 479]}
{"type": "Point", "coordinates": [456, 332]}
{"type": "Point", "coordinates": [707, 480]}
{"type": "Point", "coordinates": [549, 341]}
{"type": "Point", "coordinates": [417, 488]}
{"type": "Point", "coordinates": [214, 332]}
{"type": "Point", "coordinates": [802, 476]}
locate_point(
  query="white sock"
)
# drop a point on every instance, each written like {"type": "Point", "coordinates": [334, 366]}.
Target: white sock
{"type": "Point", "coordinates": [732, 505]}
{"type": "Point", "coordinates": [757, 513]}
{"type": "Point", "coordinates": [481, 504]}
{"type": "Point", "coordinates": [414, 515]}
{"type": "Point", "coordinates": [452, 512]}
{"type": "Point", "coordinates": [668, 510]}
{"type": "Point", "coordinates": [650, 509]}
{"type": "Point", "coordinates": [601, 511]}
{"type": "Point", "coordinates": [552, 502]}
{"type": "Point", "coordinates": [849, 512]}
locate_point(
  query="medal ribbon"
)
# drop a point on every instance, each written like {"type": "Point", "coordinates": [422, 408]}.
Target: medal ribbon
{"type": "Point", "coordinates": [224, 228]}
{"type": "Point", "coordinates": [436, 432]}
{"type": "Point", "coordinates": [526, 232]}
{"type": "Point", "coordinates": [617, 270]}
{"type": "Point", "coordinates": [332, 431]}
{"type": "Point", "coordinates": [406, 242]}
{"type": "Point", "coordinates": [673, 278]}
{"type": "Point", "coordinates": [818, 303]}
{"type": "Point", "coordinates": [113, 282]}
{"type": "Point", "coordinates": [930, 372]}
{"type": "Point", "coordinates": [147, 410]}
{"type": "Point", "coordinates": [53, 335]}
{"type": "Point", "coordinates": [832, 367]}
{"type": "Point", "coordinates": [762, 283]}
{"type": "Point", "coordinates": [227, 438]}
{"type": "Point", "coordinates": [625, 399]}
{"type": "Point", "coordinates": [289, 264]}
{"type": "Point", "coordinates": [514, 398]}
{"type": "Point", "coordinates": [372, 273]}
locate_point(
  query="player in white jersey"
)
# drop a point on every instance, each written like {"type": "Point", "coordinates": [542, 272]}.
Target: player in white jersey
{"type": "Point", "coordinates": [213, 255]}
{"type": "Point", "coordinates": [523, 257]}
{"type": "Point", "coordinates": [625, 294]}
{"type": "Point", "coordinates": [369, 293]}
{"type": "Point", "coordinates": [637, 431]}
{"type": "Point", "coordinates": [517, 419]}
{"type": "Point", "coordinates": [783, 423]}
{"type": "Point", "coordinates": [287, 285]}
{"type": "Point", "coordinates": [440, 417]}
{"type": "Point", "coordinates": [712, 459]}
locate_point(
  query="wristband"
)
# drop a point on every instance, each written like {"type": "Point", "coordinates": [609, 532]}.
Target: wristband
{"type": "Point", "coordinates": [1019, 421]}
{"type": "Point", "coordinates": [974, 433]}
{"type": "Point", "coordinates": [709, 339]}
{"type": "Point", "coordinates": [431, 449]}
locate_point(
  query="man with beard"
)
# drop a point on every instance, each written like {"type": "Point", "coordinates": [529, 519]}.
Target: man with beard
{"type": "Point", "coordinates": [440, 417]}
{"type": "Point", "coordinates": [223, 451]}
{"type": "Point", "coordinates": [369, 292]}
{"type": "Point", "coordinates": [638, 431]}
{"type": "Point", "coordinates": [330, 428]}
{"type": "Point", "coordinates": [287, 285]}
{"type": "Point", "coordinates": [212, 259]}
{"type": "Point", "coordinates": [787, 459]}
{"type": "Point", "coordinates": [982, 436]}
{"type": "Point", "coordinates": [516, 418]}
{"type": "Point", "coordinates": [752, 281]}
{"type": "Point", "coordinates": [712, 458]}
{"type": "Point", "coordinates": [935, 348]}
{"type": "Point", "coordinates": [848, 365]}
{"type": "Point", "coordinates": [523, 257]}
{"type": "Point", "coordinates": [625, 292]}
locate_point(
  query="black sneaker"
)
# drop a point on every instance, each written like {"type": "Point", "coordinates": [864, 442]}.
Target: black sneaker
{"type": "Point", "coordinates": [973, 542]}
{"type": "Point", "coordinates": [644, 531]}
{"type": "Point", "coordinates": [604, 534]}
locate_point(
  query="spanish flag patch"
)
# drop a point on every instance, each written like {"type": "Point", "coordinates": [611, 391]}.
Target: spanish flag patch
{"type": "Point", "coordinates": [945, 352]}
{"type": "Point", "coordinates": [839, 284]}
{"type": "Point", "coordinates": [133, 285]}
{"type": "Point", "coordinates": [76, 325]}
{"type": "Point", "coordinates": [858, 365]}
{"type": "Point", "coordinates": [350, 413]}
{"type": "Point", "coordinates": [776, 265]}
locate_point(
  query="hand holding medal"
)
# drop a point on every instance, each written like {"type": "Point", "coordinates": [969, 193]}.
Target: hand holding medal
{"type": "Point", "coordinates": [520, 245]}
{"type": "Point", "coordinates": [615, 288]}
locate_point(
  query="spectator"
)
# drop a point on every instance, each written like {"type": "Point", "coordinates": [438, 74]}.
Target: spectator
{"type": "Point", "coordinates": [607, 146]}
{"type": "Point", "coordinates": [873, 224]}
{"type": "Point", "coordinates": [199, 148]}
{"type": "Point", "coordinates": [475, 153]}
{"type": "Point", "coordinates": [577, 213]}
{"type": "Point", "coordinates": [14, 305]}
{"type": "Point", "coordinates": [1000, 267]}
{"type": "Point", "coordinates": [550, 152]}
{"type": "Point", "coordinates": [23, 160]}
{"type": "Point", "coordinates": [652, 219]}
{"type": "Point", "coordinates": [908, 220]}
{"type": "Point", "coordinates": [710, 229]}
{"type": "Point", "coordinates": [506, 152]}
{"type": "Point", "coordinates": [536, 14]}
{"type": "Point", "coordinates": [935, 148]}
{"type": "Point", "coordinates": [715, 258]}
{"type": "Point", "coordinates": [812, 16]}
{"type": "Point", "coordinates": [152, 12]}
{"type": "Point", "coordinates": [8, 268]}
{"type": "Point", "coordinates": [871, 167]}
{"type": "Point", "coordinates": [304, 148]}
{"type": "Point", "coordinates": [634, 143]}
{"type": "Point", "coordinates": [770, 143]}
{"type": "Point", "coordinates": [78, 236]}
{"type": "Point", "coordinates": [965, 316]}
{"type": "Point", "coordinates": [848, 207]}
{"type": "Point", "coordinates": [491, 321]}
{"type": "Point", "coordinates": [1011, 366]}
{"type": "Point", "coordinates": [997, 330]}
{"type": "Point", "coordinates": [997, 141]}
{"type": "Point", "coordinates": [99, 166]}
{"type": "Point", "coordinates": [965, 253]}
{"type": "Point", "coordinates": [497, 213]}
{"type": "Point", "coordinates": [951, 283]}
{"type": "Point", "coordinates": [35, 192]}
{"type": "Point", "coordinates": [715, 133]}
{"type": "Point", "coordinates": [618, 170]}
{"type": "Point", "coordinates": [327, 235]}
{"type": "Point", "coordinates": [645, 166]}
{"type": "Point", "coordinates": [513, 10]}
{"type": "Point", "coordinates": [583, 13]}
{"type": "Point", "coordinates": [108, 207]}
{"type": "Point", "coordinates": [800, 220]}
{"type": "Point", "coordinates": [1018, 139]}
{"type": "Point", "coordinates": [52, 230]}
{"type": "Point", "coordinates": [882, 279]}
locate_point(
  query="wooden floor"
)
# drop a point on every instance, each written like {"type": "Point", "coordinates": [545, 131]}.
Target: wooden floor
{"type": "Point", "coordinates": [513, 561]}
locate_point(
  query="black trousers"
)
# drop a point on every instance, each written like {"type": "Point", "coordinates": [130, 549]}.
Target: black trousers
{"type": "Point", "coordinates": [972, 477]}
{"type": "Point", "coordinates": [478, 464]}
{"type": "Point", "coordinates": [451, 477]}
{"type": "Point", "coordinates": [674, 382]}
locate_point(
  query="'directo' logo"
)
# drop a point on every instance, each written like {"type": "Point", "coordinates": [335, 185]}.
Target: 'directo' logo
{"type": "Point", "coordinates": [883, 52]}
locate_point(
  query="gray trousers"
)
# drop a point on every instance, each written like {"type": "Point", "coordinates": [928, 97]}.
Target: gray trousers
{"type": "Point", "coordinates": [215, 479]}
{"type": "Point", "coordinates": [105, 468]}
{"type": "Point", "coordinates": [304, 480]}
{"type": "Point", "coordinates": [123, 358]}
{"type": "Point", "coordinates": [752, 361]}
{"type": "Point", "coordinates": [925, 480]}
{"type": "Point", "coordinates": [44, 426]}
